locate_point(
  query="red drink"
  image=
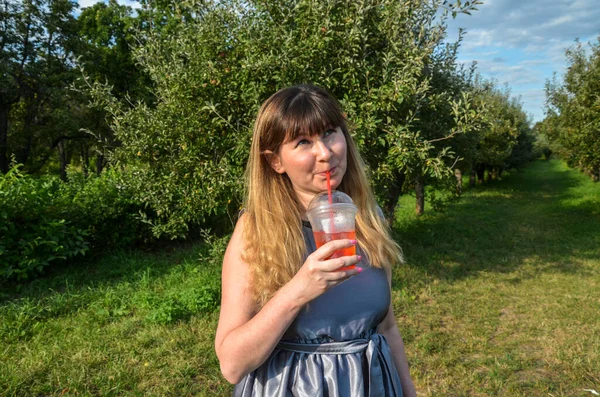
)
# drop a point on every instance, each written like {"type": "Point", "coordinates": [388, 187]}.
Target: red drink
{"type": "Point", "coordinates": [323, 237]}
{"type": "Point", "coordinates": [332, 217]}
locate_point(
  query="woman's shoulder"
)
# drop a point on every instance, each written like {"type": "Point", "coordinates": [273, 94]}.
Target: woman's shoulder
{"type": "Point", "coordinates": [241, 212]}
{"type": "Point", "coordinates": [242, 218]}
{"type": "Point", "coordinates": [379, 212]}
{"type": "Point", "coordinates": [238, 230]}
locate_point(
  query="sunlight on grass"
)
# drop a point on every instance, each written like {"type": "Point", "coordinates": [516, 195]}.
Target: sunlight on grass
{"type": "Point", "coordinates": [512, 289]}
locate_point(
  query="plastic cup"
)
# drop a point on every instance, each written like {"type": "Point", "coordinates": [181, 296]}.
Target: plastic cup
{"type": "Point", "coordinates": [333, 221]}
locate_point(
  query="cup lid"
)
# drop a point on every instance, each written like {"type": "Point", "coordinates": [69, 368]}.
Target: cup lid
{"type": "Point", "coordinates": [322, 199]}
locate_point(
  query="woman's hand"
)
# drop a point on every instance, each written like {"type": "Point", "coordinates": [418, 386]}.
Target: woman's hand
{"type": "Point", "coordinates": [319, 273]}
{"type": "Point", "coordinates": [240, 327]}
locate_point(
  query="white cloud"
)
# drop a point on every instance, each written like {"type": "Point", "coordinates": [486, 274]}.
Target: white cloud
{"type": "Point", "coordinates": [534, 62]}
{"type": "Point", "coordinates": [522, 42]}
{"type": "Point", "coordinates": [477, 38]}
{"type": "Point", "coordinates": [133, 4]}
{"type": "Point", "coordinates": [516, 21]}
{"type": "Point", "coordinates": [537, 95]}
{"type": "Point", "coordinates": [88, 3]}
{"type": "Point", "coordinates": [558, 21]}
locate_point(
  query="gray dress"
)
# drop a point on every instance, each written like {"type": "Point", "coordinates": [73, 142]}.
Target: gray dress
{"type": "Point", "coordinates": [331, 348]}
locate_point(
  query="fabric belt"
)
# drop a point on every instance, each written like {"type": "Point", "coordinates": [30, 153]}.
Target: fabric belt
{"type": "Point", "coordinates": [383, 377]}
{"type": "Point", "coordinates": [346, 347]}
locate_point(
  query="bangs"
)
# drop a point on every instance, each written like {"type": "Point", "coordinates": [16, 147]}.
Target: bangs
{"type": "Point", "coordinates": [305, 110]}
{"type": "Point", "coordinates": [310, 115]}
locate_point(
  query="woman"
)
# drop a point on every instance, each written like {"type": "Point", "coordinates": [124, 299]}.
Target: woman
{"type": "Point", "coordinates": [292, 323]}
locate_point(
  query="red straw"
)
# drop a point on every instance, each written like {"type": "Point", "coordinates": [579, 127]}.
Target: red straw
{"type": "Point", "coordinates": [328, 173]}
{"type": "Point", "coordinates": [330, 198]}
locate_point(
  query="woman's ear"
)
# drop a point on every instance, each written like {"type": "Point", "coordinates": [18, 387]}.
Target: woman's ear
{"type": "Point", "coordinates": [275, 161]}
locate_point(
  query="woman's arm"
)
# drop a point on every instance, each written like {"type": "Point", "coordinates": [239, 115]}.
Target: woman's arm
{"type": "Point", "coordinates": [245, 339]}
{"type": "Point", "coordinates": [389, 329]}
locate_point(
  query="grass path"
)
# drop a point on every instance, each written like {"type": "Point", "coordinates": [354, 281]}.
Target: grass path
{"type": "Point", "coordinates": [500, 295]}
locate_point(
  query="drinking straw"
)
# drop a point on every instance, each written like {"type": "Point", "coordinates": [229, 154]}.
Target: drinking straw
{"type": "Point", "coordinates": [330, 198]}
{"type": "Point", "coordinates": [328, 173]}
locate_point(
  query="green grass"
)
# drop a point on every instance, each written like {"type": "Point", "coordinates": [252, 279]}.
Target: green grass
{"type": "Point", "coordinates": [500, 295]}
{"type": "Point", "coordinates": [137, 324]}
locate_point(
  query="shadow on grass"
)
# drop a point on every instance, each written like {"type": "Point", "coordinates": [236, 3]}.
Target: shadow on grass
{"type": "Point", "coordinates": [547, 216]}
{"type": "Point", "coordinates": [119, 265]}
{"type": "Point", "coordinates": [163, 287]}
{"type": "Point", "coordinates": [165, 283]}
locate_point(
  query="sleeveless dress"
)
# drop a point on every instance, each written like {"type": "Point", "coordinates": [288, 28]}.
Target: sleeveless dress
{"type": "Point", "coordinates": [331, 348]}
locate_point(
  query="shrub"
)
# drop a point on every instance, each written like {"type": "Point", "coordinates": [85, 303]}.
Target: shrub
{"type": "Point", "coordinates": [31, 235]}
{"type": "Point", "coordinates": [45, 220]}
{"type": "Point", "coordinates": [104, 206]}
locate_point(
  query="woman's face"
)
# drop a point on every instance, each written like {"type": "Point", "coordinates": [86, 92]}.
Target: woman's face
{"type": "Point", "coordinates": [306, 159]}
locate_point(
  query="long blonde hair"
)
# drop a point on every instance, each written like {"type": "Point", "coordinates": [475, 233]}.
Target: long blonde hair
{"type": "Point", "coordinates": [274, 246]}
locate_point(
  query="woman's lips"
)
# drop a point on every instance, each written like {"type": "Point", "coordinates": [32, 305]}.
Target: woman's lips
{"type": "Point", "coordinates": [331, 171]}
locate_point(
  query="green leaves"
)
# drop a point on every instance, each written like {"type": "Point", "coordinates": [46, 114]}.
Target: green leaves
{"type": "Point", "coordinates": [386, 61]}
{"type": "Point", "coordinates": [33, 236]}
{"type": "Point", "coordinates": [573, 110]}
{"type": "Point", "coordinates": [45, 221]}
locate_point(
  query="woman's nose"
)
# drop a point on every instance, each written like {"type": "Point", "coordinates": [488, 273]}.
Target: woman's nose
{"type": "Point", "coordinates": [323, 151]}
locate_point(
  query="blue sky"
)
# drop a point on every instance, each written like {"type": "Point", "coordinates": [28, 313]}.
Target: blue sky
{"type": "Point", "coordinates": [522, 42]}
{"type": "Point", "coordinates": [517, 42]}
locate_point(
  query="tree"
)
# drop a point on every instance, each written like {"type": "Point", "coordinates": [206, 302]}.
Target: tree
{"type": "Point", "coordinates": [212, 63]}
{"type": "Point", "coordinates": [38, 40]}
{"type": "Point", "coordinates": [504, 141]}
{"type": "Point", "coordinates": [573, 109]}
{"type": "Point", "coordinates": [108, 34]}
{"type": "Point", "coordinates": [448, 112]}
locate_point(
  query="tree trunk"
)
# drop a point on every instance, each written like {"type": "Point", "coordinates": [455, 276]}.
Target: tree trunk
{"type": "Point", "coordinates": [459, 183]}
{"type": "Point", "coordinates": [420, 193]}
{"type": "Point", "coordinates": [4, 138]}
{"type": "Point", "coordinates": [494, 173]}
{"type": "Point", "coordinates": [393, 196]}
{"type": "Point", "coordinates": [480, 173]}
{"type": "Point", "coordinates": [472, 178]}
{"type": "Point", "coordinates": [24, 151]}
{"type": "Point", "coordinates": [99, 163]}
{"type": "Point", "coordinates": [489, 175]}
{"type": "Point", "coordinates": [85, 159]}
{"type": "Point", "coordinates": [62, 157]}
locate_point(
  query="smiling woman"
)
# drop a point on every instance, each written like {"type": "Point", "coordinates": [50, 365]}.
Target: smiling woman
{"type": "Point", "coordinates": [291, 322]}
{"type": "Point", "coordinates": [307, 160]}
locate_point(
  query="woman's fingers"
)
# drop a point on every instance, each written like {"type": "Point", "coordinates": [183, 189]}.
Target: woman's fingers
{"type": "Point", "coordinates": [338, 277]}
{"type": "Point", "coordinates": [331, 265]}
{"type": "Point", "coordinates": [324, 272]}
{"type": "Point", "coordinates": [329, 248]}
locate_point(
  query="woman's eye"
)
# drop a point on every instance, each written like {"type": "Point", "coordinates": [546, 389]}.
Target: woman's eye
{"type": "Point", "coordinates": [303, 142]}
{"type": "Point", "coordinates": [328, 132]}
